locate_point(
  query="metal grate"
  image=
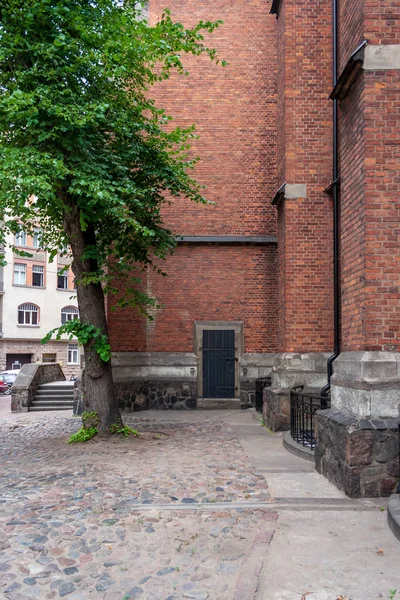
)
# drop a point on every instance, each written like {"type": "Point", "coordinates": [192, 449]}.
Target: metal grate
{"type": "Point", "coordinates": [303, 406]}
{"type": "Point", "coordinates": [261, 383]}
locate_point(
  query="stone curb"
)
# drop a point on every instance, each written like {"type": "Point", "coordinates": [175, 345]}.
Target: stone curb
{"type": "Point", "coordinates": [394, 514]}
{"type": "Point", "coordinates": [301, 451]}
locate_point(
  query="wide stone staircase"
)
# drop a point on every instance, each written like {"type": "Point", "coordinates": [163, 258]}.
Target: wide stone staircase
{"type": "Point", "coordinates": [58, 395]}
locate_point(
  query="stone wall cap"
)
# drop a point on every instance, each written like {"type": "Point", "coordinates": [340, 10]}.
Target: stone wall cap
{"type": "Point", "coordinates": [344, 417]}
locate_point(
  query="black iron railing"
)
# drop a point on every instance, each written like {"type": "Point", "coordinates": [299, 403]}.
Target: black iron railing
{"type": "Point", "coordinates": [261, 383]}
{"type": "Point", "coordinates": [303, 406]}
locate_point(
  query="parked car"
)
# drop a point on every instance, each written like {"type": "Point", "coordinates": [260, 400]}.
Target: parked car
{"type": "Point", "coordinates": [7, 378]}
{"type": "Point", "coordinates": [5, 388]}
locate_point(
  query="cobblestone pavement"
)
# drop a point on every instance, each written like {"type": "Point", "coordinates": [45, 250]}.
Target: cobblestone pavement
{"type": "Point", "coordinates": [138, 518]}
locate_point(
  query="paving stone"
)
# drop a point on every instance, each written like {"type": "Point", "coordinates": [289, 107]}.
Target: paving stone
{"type": "Point", "coordinates": [65, 589]}
{"type": "Point", "coordinates": [135, 592]}
{"type": "Point", "coordinates": [196, 595]}
{"type": "Point", "coordinates": [85, 517]}
{"type": "Point", "coordinates": [70, 570]}
{"type": "Point", "coordinates": [165, 571]}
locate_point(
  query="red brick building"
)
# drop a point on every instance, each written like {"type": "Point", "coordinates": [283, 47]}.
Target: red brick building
{"type": "Point", "coordinates": [299, 145]}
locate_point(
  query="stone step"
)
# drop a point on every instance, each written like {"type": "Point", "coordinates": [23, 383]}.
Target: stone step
{"type": "Point", "coordinates": [53, 392]}
{"type": "Point", "coordinates": [218, 403]}
{"type": "Point", "coordinates": [34, 408]}
{"type": "Point", "coordinates": [59, 387]}
{"type": "Point", "coordinates": [56, 399]}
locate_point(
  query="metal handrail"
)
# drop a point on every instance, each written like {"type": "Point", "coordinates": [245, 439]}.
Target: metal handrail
{"type": "Point", "coordinates": [303, 406]}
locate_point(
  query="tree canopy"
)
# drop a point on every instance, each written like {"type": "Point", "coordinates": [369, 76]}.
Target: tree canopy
{"type": "Point", "coordinates": [85, 152]}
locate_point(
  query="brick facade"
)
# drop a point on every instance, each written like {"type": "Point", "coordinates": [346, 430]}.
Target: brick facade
{"type": "Point", "coordinates": [265, 124]}
{"type": "Point", "coordinates": [230, 283]}
{"type": "Point", "coordinates": [234, 110]}
{"type": "Point", "coordinates": [37, 350]}
{"type": "Point", "coordinates": [370, 185]}
{"type": "Point", "coordinates": [304, 151]}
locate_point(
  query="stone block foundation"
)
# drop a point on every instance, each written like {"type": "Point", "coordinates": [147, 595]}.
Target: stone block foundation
{"type": "Point", "coordinates": [359, 455]}
{"type": "Point", "coordinates": [133, 396]}
{"type": "Point", "coordinates": [276, 409]}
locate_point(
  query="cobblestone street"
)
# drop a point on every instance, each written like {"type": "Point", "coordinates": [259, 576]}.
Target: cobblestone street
{"type": "Point", "coordinates": [120, 520]}
{"type": "Point", "coordinates": [183, 511]}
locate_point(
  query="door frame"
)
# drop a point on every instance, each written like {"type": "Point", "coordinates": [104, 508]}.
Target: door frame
{"type": "Point", "coordinates": [198, 328]}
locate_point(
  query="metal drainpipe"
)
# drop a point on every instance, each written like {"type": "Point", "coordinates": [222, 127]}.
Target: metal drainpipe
{"type": "Point", "coordinates": [335, 198]}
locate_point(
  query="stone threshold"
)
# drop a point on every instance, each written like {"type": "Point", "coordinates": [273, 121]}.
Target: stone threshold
{"type": "Point", "coordinates": [276, 504]}
{"type": "Point", "coordinates": [218, 403]}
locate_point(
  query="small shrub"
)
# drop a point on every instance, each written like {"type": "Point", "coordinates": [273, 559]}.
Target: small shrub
{"type": "Point", "coordinates": [83, 435]}
{"type": "Point", "coordinates": [90, 419]}
{"type": "Point", "coordinates": [119, 428]}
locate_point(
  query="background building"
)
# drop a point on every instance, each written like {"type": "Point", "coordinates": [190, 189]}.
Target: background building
{"type": "Point", "coordinates": [36, 296]}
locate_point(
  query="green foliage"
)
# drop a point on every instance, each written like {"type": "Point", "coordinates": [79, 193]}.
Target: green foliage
{"type": "Point", "coordinates": [90, 419]}
{"type": "Point", "coordinates": [83, 435]}
{"type": "Point", "coordinates": [392, 594]}
{"type": "Point", "coordinates": [80, 134]}
{"type": "Point", "coordinates": [121, 429]}
{"type": "Point", "coordinates": [89, 429]}
{"type": "Point", "coordinates": [84, 333]}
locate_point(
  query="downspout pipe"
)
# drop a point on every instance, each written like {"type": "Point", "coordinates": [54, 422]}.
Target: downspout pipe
{"type": "Point", "coordinates": [336, 199]}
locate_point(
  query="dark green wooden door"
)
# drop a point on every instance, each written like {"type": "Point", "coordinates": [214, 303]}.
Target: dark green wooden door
{"type": "Point", "coordinates": [218, 364]}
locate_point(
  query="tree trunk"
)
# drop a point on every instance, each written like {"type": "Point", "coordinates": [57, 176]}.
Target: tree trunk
{"type": "Point", "coordinates": [98, 384]}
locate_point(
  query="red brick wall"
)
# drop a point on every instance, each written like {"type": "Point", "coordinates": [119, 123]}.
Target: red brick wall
{"type": "Point", "coordinates": [205, 283]}
{"type": "Point", "coordinates": [370, 186]}
{"type": "Point", "coordinates": [234, 110]}
{"type": "Point", "coordinates": [352, 219]}
{"type": "Point", "coordinates": [351, 28]}
{"type": "Point", "coordinates": [382, 211]}
{"type": "Point", "coordinates": [305, 232]}
{"type": "Point", "coordinates": [382, 22]}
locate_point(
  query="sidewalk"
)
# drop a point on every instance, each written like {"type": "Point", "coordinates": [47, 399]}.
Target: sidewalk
{"type": "Point", "coordinates": [185, 511]}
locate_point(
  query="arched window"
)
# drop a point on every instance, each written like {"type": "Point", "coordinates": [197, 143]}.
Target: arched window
{"type": "Point", "coordinates": [28, 314]}
{"type": "Point", "coordinates": [69, 313]}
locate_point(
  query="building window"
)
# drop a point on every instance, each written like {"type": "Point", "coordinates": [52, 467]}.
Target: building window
{"type": "Point", "coordinates": [37, 237]}
{"type": "Point", "coordinates": [49, 358]}
{"type": "Point", "coordinates": [21, 238]}
{"type": "Point", "coordinates": [73, 354]}
{"type": "Point", "coordinates": [69, 313]}
{"type": "Point", "coordinates": [38, 276]}
{"type": "Point", "coordinates": [19, 274]}
{"type": "Point", "coordinates": [62, 279]}
{"type": "Point", "coordinates": [28, 314]}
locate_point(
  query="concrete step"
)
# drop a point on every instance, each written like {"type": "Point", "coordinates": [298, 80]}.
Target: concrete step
{"type": "Point", "coordinates": [51, 404]}
{"type": "Point", "coordinates": [54, 400]}
{"type": "Point", "coordinates": [34, 408]}
{"type": "Point", "coordinates": [49, 387]}
{"type": "Point", "coordinates": [52, 392]}
{"type": "Point", "coordinates": [57, 395]}
{"type": "Point", "coordinates": [218, 403]}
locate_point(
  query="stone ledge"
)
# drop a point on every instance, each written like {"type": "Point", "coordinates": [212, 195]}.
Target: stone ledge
{"type": "Point", "coordinates": [343, 417]}
{"type": "Point", "coordinates": [297, 449]}
{"type": "Point", "coordinates": [218, 403]}
{"type": "Point", "coordinates": [394, 514]}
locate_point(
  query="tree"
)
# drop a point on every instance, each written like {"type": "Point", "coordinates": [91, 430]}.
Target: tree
{"type": "Point", "coordinates": [87, 154]}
